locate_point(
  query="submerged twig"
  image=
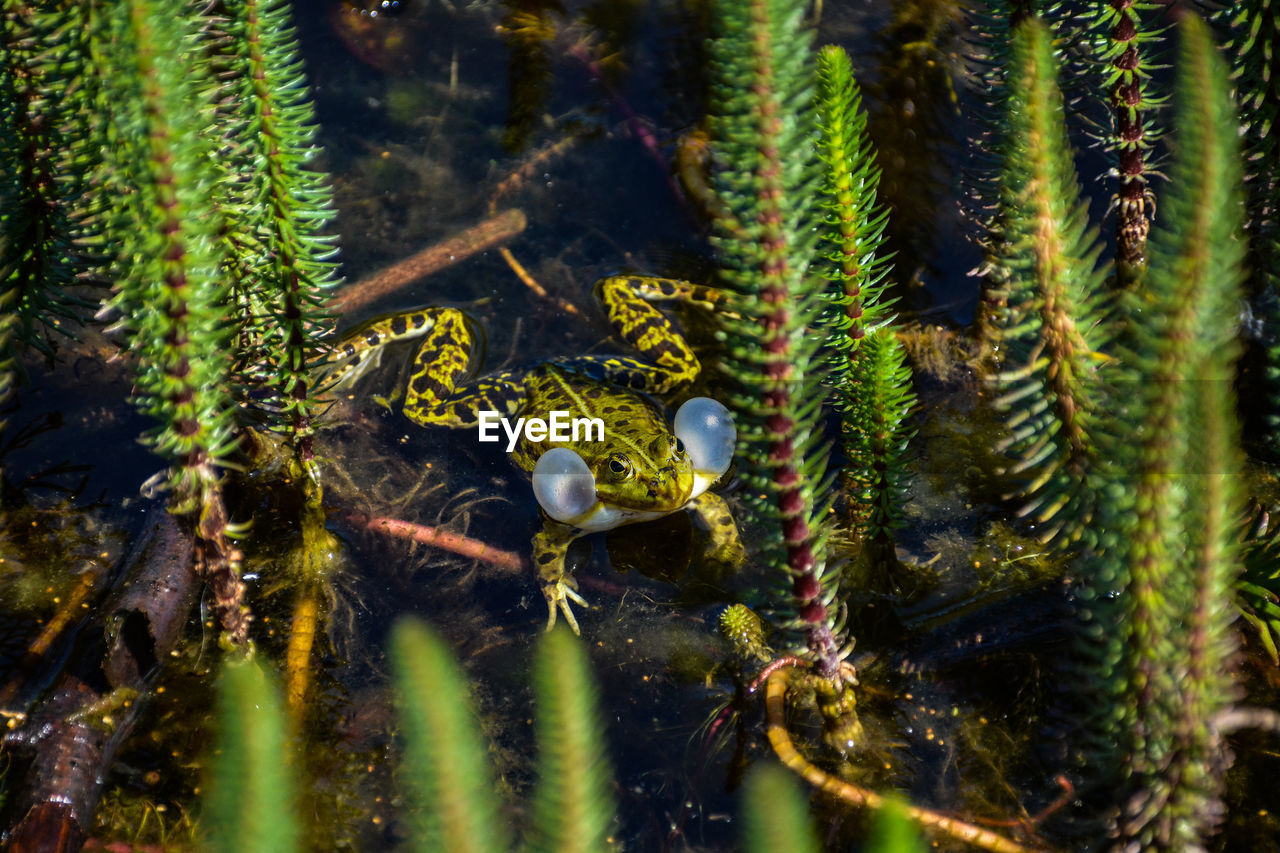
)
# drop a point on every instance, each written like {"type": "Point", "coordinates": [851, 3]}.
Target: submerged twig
{"type": "Point", "coordinates": [439, 538]}
{"type": "Point", "coordinates": [491, 232]}
{"type": "Point", "coordinates": [35, 653]}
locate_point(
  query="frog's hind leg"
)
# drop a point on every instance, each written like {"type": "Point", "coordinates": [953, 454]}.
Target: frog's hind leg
{"type": "Point", "coordinates": [436, 393]}
{"type": "Point", "coordinates": [361, 350]}
{"type": "Point", "coordinates": [627, 300]}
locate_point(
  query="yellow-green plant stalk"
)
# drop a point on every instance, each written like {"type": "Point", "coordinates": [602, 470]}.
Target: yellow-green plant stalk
{"type": "Point", "coordinates": [869, 373]}
{"type": "Point", "coordinates": [1155, 596]}
{"type": "Point", "coordinates": [281, 262]}
{"type": "Point", "coordinates": [573, 806]}
{"type": "Point", "coordinates": [451, 794]}
{"type": "Point", "coordinates": [775, 814]}
{"type": "Point", "coordinates": [765, 177]}
{"type": "Point", "coordinates": [164, 223]}
{"type": "Point", "coordinates": [1047, 324]}
{"type": "Point", "coordinates": [251, 804]}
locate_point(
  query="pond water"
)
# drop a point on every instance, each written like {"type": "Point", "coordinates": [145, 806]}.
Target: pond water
{"type": "Point", "coordinates": [431, 122]}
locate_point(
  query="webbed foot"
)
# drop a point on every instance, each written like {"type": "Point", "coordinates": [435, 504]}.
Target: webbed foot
{"type": "Point", "coordinates": [559, 594]}
{"type": "Point", "coordinates": [559, 588]}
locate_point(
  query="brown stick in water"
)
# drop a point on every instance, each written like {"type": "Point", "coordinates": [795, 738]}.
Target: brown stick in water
{"type": "Point", "coordinates": [491, 232]}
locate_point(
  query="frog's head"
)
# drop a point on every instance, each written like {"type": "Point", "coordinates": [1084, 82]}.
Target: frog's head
{"type": "Point", "coordinates": [658, 477]}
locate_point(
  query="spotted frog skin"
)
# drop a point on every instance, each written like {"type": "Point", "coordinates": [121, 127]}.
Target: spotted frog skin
{"type": "Point", "coordinates": [642, 470]}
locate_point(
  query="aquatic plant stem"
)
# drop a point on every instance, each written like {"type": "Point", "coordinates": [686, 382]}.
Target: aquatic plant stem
{"type": "Point", "coordinates": [775, 699]}
{"type": "Point", "coordinates": [287, 259]}
{"type": "Point", "coordinates": [1121, 36]}
{"type": "Point", "coordinates": [302, 635]}
{"type": "Point", "coordinates": [492, 232]}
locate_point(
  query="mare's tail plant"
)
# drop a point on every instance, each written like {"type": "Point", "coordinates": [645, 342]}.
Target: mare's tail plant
{"type": "Point", "coordinates": [172, 143]}
{"type": "Point", "coordinates": [449, 787]}
{"type": "Point", "coordinates": [174, 307]}
{"type": "Point", "coordinates": [281, 263]}
{"type": "Point", "coordinates": [1122, 32]}
{"type": "Point", "coordinates": [871, 379]}
{"type": "Point", "coordinates": [251, 806]}
{"type": "Point", "coordinates": [765, 176]}
{"type": "Point", "coordinates": [444, 759]}
{"type": "Point", "coordinates": [47, 88]}
{"type": "Point", "coordinates": [46, 234]}
{"type": "Point", "coordinates": [1155, 588]}
{"type": "Point", "coordinates": [1047, 312]}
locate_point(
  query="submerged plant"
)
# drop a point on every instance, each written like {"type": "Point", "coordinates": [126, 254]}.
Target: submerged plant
{"type": "Point", "coordinates": [169, 291]}
{"type": "Point", "coordinates": [450, 802]}
{"type": "Point", "coordinates": [277, 208]}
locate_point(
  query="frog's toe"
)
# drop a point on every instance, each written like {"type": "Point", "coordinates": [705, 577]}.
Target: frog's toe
{"type": "Point", "coordinates": [559, 594]}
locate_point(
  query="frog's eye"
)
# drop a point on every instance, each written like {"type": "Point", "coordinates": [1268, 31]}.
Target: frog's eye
{"type": "Point", "coordinates": [619, 465]}
{"type": "Point", "coordinates": [563, 484]}
{"type": "Point", "coordinates": [706, 428]}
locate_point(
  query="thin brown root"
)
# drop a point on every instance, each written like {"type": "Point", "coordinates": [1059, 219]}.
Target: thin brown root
{"type": "Point", "coordinates": [485, 235]}
{"type": "Point", "coordinates": [775, 711]}
{"type": "Point", "coordinates": [532, 283]}
{"type": "Point", "coordinates": [444, 539]}
{"type": "Point", "coordinates": [1031, 821]}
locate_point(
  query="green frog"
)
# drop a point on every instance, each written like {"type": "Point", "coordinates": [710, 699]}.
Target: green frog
{"type": "Point", "coordinates": [626, 465]}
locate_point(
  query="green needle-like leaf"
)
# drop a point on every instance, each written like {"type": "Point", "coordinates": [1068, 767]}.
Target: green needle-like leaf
{"type": "Point", "coordinates": [572, 808]}
{"type": "Point", "coordinates": [250, 807]}
{"type": "Point", "coordinates": [451, 804]}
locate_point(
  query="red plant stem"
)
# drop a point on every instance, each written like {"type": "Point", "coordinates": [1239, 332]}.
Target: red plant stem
{"type": "Point", "coordinates": [1127, 98]}
{"type": "Point", "coordinates": [638, 127]}
{"type": "Point", "coordinates": [779, 342]}
{"type": "Point", "coordinates": [444, 539]}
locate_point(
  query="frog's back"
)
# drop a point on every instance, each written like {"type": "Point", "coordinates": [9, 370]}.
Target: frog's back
{"type": "Point", "coordinates": [608, 417]}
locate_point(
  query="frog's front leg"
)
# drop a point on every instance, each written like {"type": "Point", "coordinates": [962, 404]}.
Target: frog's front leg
{"type": "Point", "coordinates": [726, 543]}
{"type": "Point", "coordinates": [550, 545]}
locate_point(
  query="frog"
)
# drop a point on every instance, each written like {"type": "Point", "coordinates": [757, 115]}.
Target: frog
{"type": "Point", "coordinates": [637, 468]}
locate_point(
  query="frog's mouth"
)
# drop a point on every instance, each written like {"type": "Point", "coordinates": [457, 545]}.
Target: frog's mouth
{"type": "Point", "coordinates": [665, 485]}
